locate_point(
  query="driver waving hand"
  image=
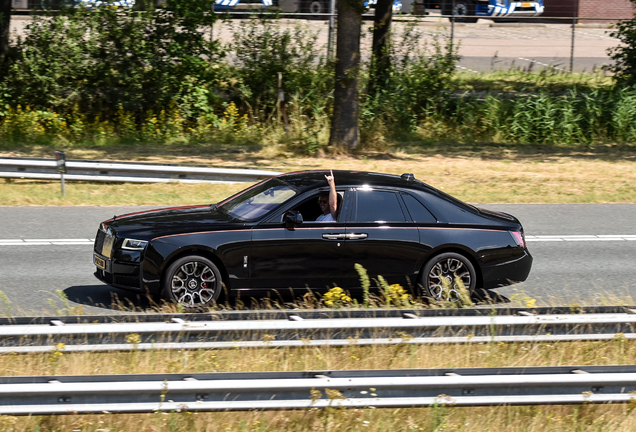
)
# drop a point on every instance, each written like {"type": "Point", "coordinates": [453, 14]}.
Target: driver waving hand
{"type": "Point", "coordinates": [329, 202]}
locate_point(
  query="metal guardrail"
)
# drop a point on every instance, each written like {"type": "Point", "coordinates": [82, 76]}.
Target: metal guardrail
{"type": "Point", "coordinates": [296, 331]}
{"type": "Point", "coordinates": [88, 170]}
{"type": "Point", "coordinates": [285, 314]}
{"type": "Point", "coordinates": [317, 389]}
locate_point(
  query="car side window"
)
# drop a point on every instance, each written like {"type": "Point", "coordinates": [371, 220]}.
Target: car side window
{"type": "Point", "coordinates": [418, 212]}
{"type": "Point", "coordinates": [377, 206]}
{"type": "Point", "coordinates": [310, 208]}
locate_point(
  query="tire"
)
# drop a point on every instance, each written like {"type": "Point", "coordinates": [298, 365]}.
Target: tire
{"type": "Point", "coordinates": [315, 7]}
{"type": "Point", "coordinates": [463, 8]}
{"type": "Point", "coordinates": [192, 281]}
{"type": "Point", "coordinates": [439, 276]}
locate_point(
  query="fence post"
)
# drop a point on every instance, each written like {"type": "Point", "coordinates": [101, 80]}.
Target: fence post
{"type": "Point", "coordinates": [572, 43]}
{"type": "Point", "coordinates": [452, 36]}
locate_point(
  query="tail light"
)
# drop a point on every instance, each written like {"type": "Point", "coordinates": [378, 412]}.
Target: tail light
{"type": "Point", "coordinates": [520, 239]}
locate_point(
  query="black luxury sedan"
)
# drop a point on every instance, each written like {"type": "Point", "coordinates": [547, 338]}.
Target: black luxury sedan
{"type": "Point", "coordinates": [267, 237]}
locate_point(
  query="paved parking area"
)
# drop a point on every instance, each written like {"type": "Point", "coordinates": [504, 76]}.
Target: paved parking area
{"type": "Point", "coordinates": [486, 45]}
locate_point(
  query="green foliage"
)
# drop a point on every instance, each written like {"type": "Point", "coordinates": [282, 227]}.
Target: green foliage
{"type": "Point", "coordinates": [575, 117]}
{"type": "Point", "coordinates": [624, 54]}
{"type": "Point", "coordinates": [365, 283]}
{"type": "Point", "coordinates": [263, 50]}
{"type": "Point", "coordinates": [414, 85]}
{"type": "Point", "coordinates": [96, 60]}
{"type": "Point", "coordinates": [107, 75]}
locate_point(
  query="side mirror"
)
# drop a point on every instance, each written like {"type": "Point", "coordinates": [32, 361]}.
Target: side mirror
{"type": "Point", "coordinates": [292, 219]}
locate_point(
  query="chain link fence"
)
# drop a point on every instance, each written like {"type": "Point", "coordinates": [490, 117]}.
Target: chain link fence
{"type": "Point", "coordinates": [568, 44]}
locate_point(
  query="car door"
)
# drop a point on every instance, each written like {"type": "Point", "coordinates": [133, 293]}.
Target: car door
{"type": "Point", "coordinates": [381, 237]}
{"type": "Point", "coordinates": [305, 256]}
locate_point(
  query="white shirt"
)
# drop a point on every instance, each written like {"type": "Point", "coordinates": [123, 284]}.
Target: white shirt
{"type": "Point", "coordinates": [325, 218]}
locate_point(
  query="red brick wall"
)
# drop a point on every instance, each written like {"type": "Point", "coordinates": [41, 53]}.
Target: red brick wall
{"type": "Point", "coordinates": [561, 8]}
{"type": "Point", "coordinates": [589, 9]}
{"type": "Point", "coordinates": [605, 9]}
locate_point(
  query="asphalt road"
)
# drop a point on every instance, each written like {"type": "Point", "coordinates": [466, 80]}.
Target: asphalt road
{"type": "Point", "coordinates": [566, 270]}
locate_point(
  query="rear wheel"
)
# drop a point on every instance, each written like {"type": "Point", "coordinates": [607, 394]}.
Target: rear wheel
{"type": "Point", "coordinates": [448, 276]}
{"type": "Point", "coordinates": [462, 9]}
{"type": "Point", "coordinates": [192, 281]}
{"type": "Point", "coordinates": [316, 7]}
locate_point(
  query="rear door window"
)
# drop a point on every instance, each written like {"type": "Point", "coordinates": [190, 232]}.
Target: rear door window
{"type": "Point", "coordinates": [377, 206]}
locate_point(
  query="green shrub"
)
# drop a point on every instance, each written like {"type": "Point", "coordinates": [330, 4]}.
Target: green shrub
{"type": "Point", "coordinates": [263, 50]}
{"type": "Point", "coordinates": [96, 60]}
{"type": "Point", "coordinates": [415, 85]}
{"type": "Point", "coordinates": [624, 54]}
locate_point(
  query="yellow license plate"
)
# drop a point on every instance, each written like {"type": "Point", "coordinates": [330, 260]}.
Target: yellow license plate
{"type": "Point", "coordinates": [99, 262]}
{"type": "Point", "coordinates": [526, 4]}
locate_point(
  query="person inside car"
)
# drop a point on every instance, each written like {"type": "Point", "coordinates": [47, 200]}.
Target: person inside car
{"type": "Point", "coordinates": [329, 202]}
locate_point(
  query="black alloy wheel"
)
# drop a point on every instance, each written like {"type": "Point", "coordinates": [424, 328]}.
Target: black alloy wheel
{"type": "Point", "coordinates": [192, 281]}
{"type": "Point", "coordinates": [446, 275]}
{"type": "Point", "coordinates": [462, 8]}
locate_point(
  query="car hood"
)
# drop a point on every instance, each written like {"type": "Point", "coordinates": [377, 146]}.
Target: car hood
{"type": "Point", "coordinates": [147, 225]}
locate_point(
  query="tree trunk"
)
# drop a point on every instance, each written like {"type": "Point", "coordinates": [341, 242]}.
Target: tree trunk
{"type": "Point", "coordinates": [381, 59]}
{"type": "Point", "coordinates": [5, 23]}
{"type": "Point", "coordinates": [345, 131]}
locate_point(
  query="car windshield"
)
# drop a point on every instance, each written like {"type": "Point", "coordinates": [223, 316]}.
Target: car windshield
{"type": "Point", "coordinates": [259, 200]}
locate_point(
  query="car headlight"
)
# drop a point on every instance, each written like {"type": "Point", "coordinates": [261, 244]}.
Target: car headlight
{"type": "Point", "coordinates": [132, 244]}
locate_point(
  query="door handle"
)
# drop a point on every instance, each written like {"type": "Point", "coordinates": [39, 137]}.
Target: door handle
{"type": "Point", "coordinates": [333, 236]}
{"type": "Point", "coordinates": [357, 236]}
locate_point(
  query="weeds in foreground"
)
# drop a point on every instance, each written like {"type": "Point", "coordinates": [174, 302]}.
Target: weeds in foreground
{"type": "Point", "coordinates": [433, 419]}
{"type": "Point", "coordinates": [402, 356]}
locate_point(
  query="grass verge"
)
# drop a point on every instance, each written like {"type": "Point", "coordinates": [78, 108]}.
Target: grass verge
{"type": "Point", "coordinates": [436, 418]}
{"type": "Point", "coordinates": [477, 174]}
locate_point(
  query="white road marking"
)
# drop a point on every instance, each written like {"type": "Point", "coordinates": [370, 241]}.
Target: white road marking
{"type": "Point", "coordinates": [45, 242]}
{"type": "Point", "coordinates": [544, 64]}
{"type": "Point", "coordinates": [557, 238]}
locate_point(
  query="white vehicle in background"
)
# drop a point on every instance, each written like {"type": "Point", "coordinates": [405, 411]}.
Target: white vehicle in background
{"type": "Point", "coordinates": [24, 4]}
{"type": "Point", "coordinates": [226, 5]}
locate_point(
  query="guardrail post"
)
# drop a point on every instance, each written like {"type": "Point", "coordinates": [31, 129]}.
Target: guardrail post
{"type": "Point", "coordinates": [60, 157]}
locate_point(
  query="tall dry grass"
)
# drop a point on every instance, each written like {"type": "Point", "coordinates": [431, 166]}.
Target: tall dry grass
{"type": "Point", "coordinates": [476, 175]}
{"type": "Point", "coordinates": [538, 418]}
{"type": "Point", "coordinates": [585, 418]}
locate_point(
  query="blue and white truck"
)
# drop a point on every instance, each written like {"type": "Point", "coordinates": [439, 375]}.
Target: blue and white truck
{"type": "Point", "coordinates": [471, 10]}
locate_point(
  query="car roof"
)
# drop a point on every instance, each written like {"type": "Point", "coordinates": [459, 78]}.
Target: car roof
{"type": "Point", "coordinates": [305, 180]}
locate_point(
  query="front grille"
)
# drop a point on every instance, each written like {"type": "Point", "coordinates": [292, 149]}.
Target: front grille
{"type": "Point", "coordinates": [99, 241]}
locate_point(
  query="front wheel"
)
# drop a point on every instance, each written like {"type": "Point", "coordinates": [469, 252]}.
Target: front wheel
{"type": "Point", "coordinates": [448, 277]}
{"type": "Point", "coordinates": [192, 281]}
